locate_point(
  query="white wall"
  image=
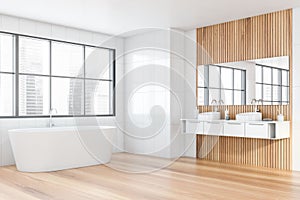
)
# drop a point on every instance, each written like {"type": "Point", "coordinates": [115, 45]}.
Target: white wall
{"type": "Point", "coordinates": [190, 88]}
{"type": "Point", "coordinates": [161, 57]}
{"type": "Point", "coordinates": [296, 90]}
{"type": "Point", "coordinates": [177, 85]}
{"type": "Point", "coordinates": [34, 28]}
{"type": "Point", "coordinates": [147, 60]}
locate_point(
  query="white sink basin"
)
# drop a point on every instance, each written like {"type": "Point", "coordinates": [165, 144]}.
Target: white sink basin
{"type": "Point", "coordinates": [249, 116]}
{"type": "Point", "coordinates": [209, 116]}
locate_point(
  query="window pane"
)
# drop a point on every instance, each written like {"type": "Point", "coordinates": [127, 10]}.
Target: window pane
{"type": "Point", "coordinates": [201, 76]}
{"type": "Point", "coordinates": [7, 99]}
{"type": "Point", "coordinates": [214, 94]}
{"type": "Point", "coordinates": [67, 59]}
{"type": "Point", "coordinates": [267, 75]}
{"type": "Point", "coordinates": [34, 56]}
{"type": "Point", "coordinates": [98, 63]}
{"type": "Point", "coordinates": [267, 93]}
{"type": "Point", "coordinates": [237, 97]}
{"type": "Point", "coordinates": [276, 80]}
{"type": "Point", "coordinates": [67, 96]}
{"type": "Point", "coordinates": [237, 79]}
{"type": "Point", "coordinates": [258, 75]}
{"type": "Point", "coordinates": [214, 77]}
{"type": "Point", "coordinates": [7, 53]}
{"type": "Point", "coordinates": [200, 96]}
{"type": "Point", "coordinates": [285, 78]}
{"type": "Point", "coordinates": [276, 93]}
{"type": "Point", "coordinates": [33, 95]}
{"type": "Point", "coordinates": [258, 91]}
{"type": "Point", "coordinates": [227, 78]}
{"type": "Point", "coordinates": [285, 94]}
{"type": "Point", "coordinates": [98, 97]}
{"type": "Point", "coordinates": [226, 96]}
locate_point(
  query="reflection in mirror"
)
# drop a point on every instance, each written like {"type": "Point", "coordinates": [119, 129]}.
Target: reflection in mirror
{"type": "Point", "coordinates": [238, 83]}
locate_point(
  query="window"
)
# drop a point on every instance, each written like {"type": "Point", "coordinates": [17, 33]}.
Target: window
{"type": "Point", "coordinates": [95, 69]}
{"type": "Point", "coordinates": [67, 96]}
{"type": "Point", "coordinates": [34, 86]}
{"type": "Point", "coordinates": [67, 59]}
{"type": "Point", "coordinates": [99, 81]}
{"type": "Point", "coordinates": [7, 94]}
{"type": "Point", "coordinates": [221, 83]}
{"type": "Point", "coordinates": [7, 75]}
{"type": "Point", "coordinates": [33, 95]}
{"type": "Point", "coordinates": [37, 74]}
{"type": "Point", "coordinates": [272, 85]}
{"type": "Point", "coordinates": [100, 92]}
{"type": "Point", "coordinates": [67, 91]}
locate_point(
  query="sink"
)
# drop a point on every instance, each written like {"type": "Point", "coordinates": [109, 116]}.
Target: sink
{"type": "Point", "coordinates": [249, 116]}
{"type": "Point", "coordinates": [209, 116]}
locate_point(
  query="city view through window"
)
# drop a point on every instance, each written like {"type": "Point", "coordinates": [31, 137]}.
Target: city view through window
{"type": "Point", "coordinates": [39, 74]}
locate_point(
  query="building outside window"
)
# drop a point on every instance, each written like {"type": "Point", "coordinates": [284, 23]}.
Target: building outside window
{"type": "Point", "coordinates": [39, 74]}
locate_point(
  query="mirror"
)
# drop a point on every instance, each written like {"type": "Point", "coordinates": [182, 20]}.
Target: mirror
{"type": "Point", "coordinates": [238, 83]}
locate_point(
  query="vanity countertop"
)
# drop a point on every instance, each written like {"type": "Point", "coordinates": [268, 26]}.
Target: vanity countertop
{"type": "Point", "coordinates": [234, 121]}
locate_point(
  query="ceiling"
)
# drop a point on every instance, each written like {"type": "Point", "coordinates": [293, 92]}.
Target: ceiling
{"type": "Point", "coordinates": [119, 16]}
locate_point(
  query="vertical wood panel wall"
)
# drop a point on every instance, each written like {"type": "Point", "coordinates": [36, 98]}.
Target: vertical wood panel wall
{"type": "Point", "coordinates": [263, 36]}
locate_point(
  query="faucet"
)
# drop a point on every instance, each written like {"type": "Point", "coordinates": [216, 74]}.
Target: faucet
{"type": "Point", "coordinates": [221, 102]}
{"type": "Point", "coordinates": [259, 102]}
{"type": "Point", "coordinates": [214, 104]}
{"type": "Point", "coordinates": [253, 103]}
{"type": "Point", "coordinates": [50, 118]}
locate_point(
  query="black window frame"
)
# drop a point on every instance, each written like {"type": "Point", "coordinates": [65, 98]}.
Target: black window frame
{"type": "Point", "coordinates": [207, 87]}
{"type": "Point", "coordinates": [281, 86]}
{"type": "Point", "coordinates": [16, 76]}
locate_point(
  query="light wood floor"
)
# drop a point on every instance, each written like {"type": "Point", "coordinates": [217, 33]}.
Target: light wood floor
{"type": "Point", "coordinates": [185, 179]}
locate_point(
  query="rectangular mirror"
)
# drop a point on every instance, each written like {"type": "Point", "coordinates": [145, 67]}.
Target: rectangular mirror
{"type": "Point", "coordinates": [238, 83]}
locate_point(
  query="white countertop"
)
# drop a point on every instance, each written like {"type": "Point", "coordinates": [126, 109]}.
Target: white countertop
{"type": "Point", "coordinates": [234, 121]}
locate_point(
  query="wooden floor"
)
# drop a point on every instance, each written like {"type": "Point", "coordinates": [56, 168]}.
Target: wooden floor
{"type": "Point", "coordinates": [185, 179]}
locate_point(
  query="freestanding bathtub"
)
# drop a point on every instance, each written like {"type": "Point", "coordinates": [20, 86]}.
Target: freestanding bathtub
{"type": "Point", "coordinates": [58, 148]}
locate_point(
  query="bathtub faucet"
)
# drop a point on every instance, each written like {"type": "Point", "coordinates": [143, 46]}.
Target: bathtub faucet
{"type": "Point", "coordinates": [50, 118]}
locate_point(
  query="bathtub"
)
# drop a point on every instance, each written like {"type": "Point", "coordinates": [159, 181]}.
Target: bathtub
{"type": "Point", "coordinates": [58, 148]}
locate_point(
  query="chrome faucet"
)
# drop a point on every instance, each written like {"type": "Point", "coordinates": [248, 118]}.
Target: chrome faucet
{"type": "Point", "coordinates": [254, 105]}
{"type": "Point", "coordinates": [260, 101]}
{"type": "Point", "coordinates": [214, 104]}
{"type": "Point", "coordinates": [50, 118]}
{"type": "Point", "coordinates": [221, 103]}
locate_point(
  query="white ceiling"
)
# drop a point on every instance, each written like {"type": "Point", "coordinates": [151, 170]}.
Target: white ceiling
{"type": "Point", "coordinates": [119, 16]}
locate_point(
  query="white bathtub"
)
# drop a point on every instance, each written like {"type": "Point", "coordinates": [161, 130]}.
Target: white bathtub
{"type": "Point", "coordinates": [58, 148]}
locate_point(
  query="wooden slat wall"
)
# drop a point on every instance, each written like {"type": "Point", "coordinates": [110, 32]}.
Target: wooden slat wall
{"type": "Point", "coordinates": [263, 36]}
